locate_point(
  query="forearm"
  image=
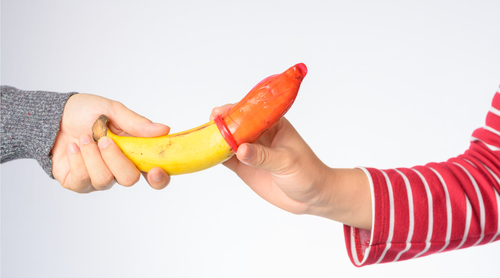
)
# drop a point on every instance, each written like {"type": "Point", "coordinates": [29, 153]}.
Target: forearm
{"type": "Point", "coordinates": [434, 208]}
{"type": "Point", "coordinates": [421, 210]}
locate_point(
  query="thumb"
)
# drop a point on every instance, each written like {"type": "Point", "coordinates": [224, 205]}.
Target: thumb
{"type": "Point", "coordinates": [129, 122]}
{"type": "Point", "coordinates": [273, 160]}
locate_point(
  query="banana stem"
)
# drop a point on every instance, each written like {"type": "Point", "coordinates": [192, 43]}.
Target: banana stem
{"type": "Point", "coordinates": [100, 127]}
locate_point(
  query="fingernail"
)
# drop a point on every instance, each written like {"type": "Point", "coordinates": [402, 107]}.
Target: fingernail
{"type": "Point", "coordinates": [104, 142]}
{"type": "Point", "coordinates": [73, 148]}
{"type": "Point", "coordinates": [85, 139]}
{"type": "Point", "coordinates": [156, 177]}
{"type": "Point", "coordinates": [161, 126]}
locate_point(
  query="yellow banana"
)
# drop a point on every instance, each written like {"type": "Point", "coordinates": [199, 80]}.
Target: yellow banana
{"type": "Point", "coordinates": [179, 153]}
{"type": "Point", "coordinates": [216, 141]}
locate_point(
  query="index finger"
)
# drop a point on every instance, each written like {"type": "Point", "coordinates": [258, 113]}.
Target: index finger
{"type": "Point", "coordinates": [220, 110]}
{"type": "Point", "coordinates": [125, 122]}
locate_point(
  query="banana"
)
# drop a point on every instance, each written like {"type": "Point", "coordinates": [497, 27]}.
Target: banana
{"type": "Point", "coordinates": [179, 153]}
{"type": "Point", "coordinates": [216, 141]}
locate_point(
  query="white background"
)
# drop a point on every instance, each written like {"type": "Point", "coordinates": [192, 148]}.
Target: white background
{"type": "Point", "coordinates": [390, 84]}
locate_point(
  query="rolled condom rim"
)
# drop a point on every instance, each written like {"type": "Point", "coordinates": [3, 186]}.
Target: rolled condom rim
{"type": "Point", "coordinates": [226, 133]}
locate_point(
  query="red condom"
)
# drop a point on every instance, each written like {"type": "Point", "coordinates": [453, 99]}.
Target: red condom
{"type": "Point", "coordinates": [226, 133]}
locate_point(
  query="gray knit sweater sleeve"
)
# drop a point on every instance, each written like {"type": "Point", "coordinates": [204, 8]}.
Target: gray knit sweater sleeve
{"type": "Point", "coordinates": [29, 124]}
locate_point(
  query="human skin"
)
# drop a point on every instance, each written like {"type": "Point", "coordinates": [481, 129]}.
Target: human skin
{"type": "Point", "coordinates": [282, 169]}
{"type": "Point", "coordinates": [280, 166]}
{"type": "Point", "coordinates": [82, 165]}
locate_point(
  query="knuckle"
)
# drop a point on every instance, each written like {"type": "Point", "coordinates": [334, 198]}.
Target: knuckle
{"type": "Point", "coordinates": [289, 162]}
{"type": "Point", "coordinates": [262, 156]}
{"type": "Point", "coordinates": [138, 128]}
{"type": "Point", "coordinates": [81, 177]}
{"type": "Point", "coordinates": [83, 190]}
{"type": "Point", "coordinates": [78, 182]}
{"type": "Point", "coordinates": [131, 178]}
{"type": "Point", "coordinates": [103, 182]}
{"type": "Point", "coordinates": [65, 186]}
{"type": "Point", "coordinates": [117, 105]}
{"type": "Point", "coordinates": [110, 155]}
{"type": "Point", "coordinates": [79, 187]}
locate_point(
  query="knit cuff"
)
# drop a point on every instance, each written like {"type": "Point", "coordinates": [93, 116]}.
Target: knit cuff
{"type": "Point", "coordinates": [30, 123]}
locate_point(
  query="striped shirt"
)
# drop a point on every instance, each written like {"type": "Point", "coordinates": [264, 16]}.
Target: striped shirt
{"type": "Point", "coordinates": [434, 208]}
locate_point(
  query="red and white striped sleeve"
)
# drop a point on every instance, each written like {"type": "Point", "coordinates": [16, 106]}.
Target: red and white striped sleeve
{"type": "Point", "coordinates": [434, 208]}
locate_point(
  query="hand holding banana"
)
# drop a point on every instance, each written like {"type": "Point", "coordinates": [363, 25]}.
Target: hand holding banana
{"type": "Point", "coordinates": [216, 141]}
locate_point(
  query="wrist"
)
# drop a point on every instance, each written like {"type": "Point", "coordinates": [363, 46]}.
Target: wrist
{"type": "Point", "coordinates": [345, 197]}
